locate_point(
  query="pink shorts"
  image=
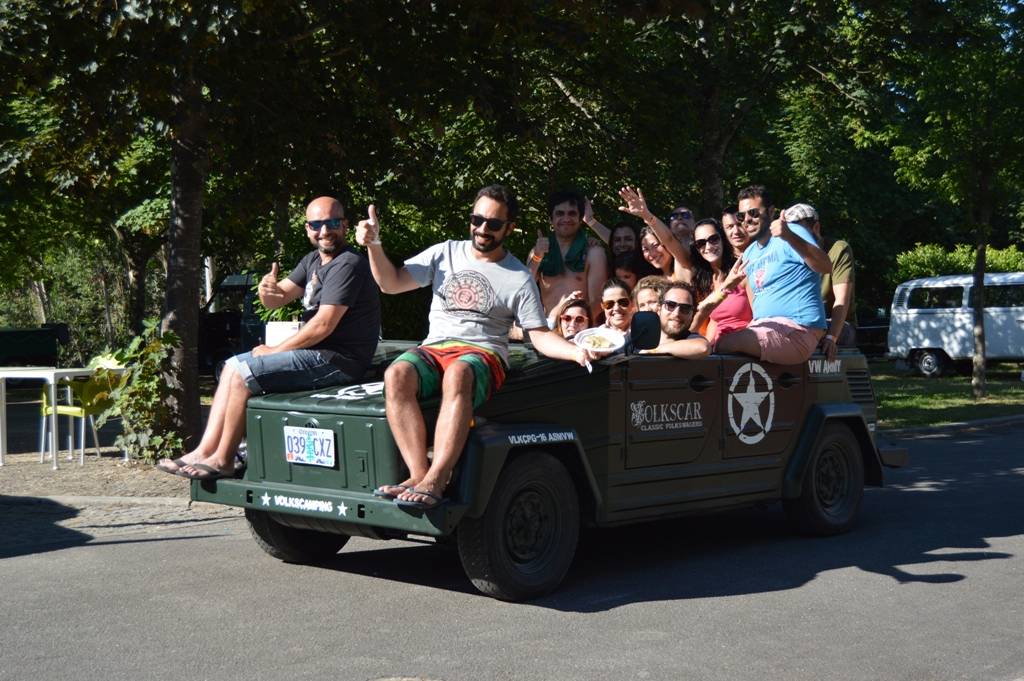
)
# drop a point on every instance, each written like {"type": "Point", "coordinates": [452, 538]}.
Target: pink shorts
{"type": "Point", "coordinates": [783, 341]}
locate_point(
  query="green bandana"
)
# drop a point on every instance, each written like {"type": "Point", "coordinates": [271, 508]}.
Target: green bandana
{"type": "Point", "coordinates": [575, 259]}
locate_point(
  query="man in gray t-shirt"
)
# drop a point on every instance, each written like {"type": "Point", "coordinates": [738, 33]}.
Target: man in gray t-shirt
{"type": "Point", "coordinates": [480, 289]}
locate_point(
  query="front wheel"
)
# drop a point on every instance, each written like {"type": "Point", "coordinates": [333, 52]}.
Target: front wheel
{"type": "Point", "coordinates": [525, 541]}
{"type": "Point", "coordinates": [931, 363]}
{"type": "Point", "coordinates": [833, 485]}
{"type": "Point", "coordinates": [291, 544]}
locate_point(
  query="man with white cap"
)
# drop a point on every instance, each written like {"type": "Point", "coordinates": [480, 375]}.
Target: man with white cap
{"type": "Point", "coordinates": [784, 266]}
{"type": "Point", "coordinates": [837, 286]}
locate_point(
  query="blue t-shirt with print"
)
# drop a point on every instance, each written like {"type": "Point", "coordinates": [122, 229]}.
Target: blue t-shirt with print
{"type": "Point", "coordinates": [783, 284]}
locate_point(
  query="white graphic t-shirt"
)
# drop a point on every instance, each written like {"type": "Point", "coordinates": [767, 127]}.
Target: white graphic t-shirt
{"type": "Point", "coordinates": [476, 301]}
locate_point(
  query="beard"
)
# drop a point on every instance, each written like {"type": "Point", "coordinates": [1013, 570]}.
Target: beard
{"type": "Point", "coordinates": [328, 248]}
{"type": "Point", "coordinates": [485, 242]}
{"type": "Point", "coordinates": [675, 330]}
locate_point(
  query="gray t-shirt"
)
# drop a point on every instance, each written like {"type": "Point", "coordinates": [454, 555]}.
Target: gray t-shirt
{"type": "Point", "coordinates": [475, 300]}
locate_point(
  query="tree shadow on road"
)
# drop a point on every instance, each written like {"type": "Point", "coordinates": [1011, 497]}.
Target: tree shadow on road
{"type": "Point", "coordinates": [960, 491]}
{"type": "Point", "coordinates": [30, 525]}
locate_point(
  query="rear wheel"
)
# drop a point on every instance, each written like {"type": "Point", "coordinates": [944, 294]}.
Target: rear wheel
{"type": "Point", "coordinates": [291, 544]}
{"type": "Point", "coordinates": [833, 485]}
{"type": "Point", "coordinates": [931, 363]}
{"type": "Point", "coordinates": [525, 541]}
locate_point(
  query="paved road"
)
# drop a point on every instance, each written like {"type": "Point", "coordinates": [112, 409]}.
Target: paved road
{"type": "Point", "coordinates": [927, 587]}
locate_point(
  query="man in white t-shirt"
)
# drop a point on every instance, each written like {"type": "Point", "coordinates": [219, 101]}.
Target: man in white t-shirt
{"type": "Point", "coordinates": [480, 289]}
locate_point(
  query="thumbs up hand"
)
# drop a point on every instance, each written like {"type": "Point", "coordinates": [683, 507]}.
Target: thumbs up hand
{"type": "Point", "coordinates": [368, 230]}
{"type": "Point", "coordinates": [542, 246]}
{"type": "Point", "coordinates": [268, 285]}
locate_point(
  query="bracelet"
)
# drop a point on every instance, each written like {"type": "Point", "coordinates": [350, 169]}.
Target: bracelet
{"type": "Point", "coordinates": [535, 258]}
{"type": "Point", "coordinates": [829, 336]}
{"type": "Point", "coordinates": [375, 242]}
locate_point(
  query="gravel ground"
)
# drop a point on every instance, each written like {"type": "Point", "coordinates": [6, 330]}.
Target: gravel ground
{"type": "Point", "coordinates": [23, 476]}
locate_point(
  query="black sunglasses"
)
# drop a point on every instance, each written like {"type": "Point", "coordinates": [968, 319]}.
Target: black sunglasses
{"type": "Point", "coordinates": [753, 214]}
{"type": "Point", "coordinates": [671, 305]}
{"type": "Point", "coordinates": [680, 215]}
{"type": "Point", "coordinates": [330, 223]}
{"type": "Point", "coordinates": [713, 239]}
{"type": "Point", "coordinates": [621, 302]}
{"type": "Point", "coordinates": [493, 224]}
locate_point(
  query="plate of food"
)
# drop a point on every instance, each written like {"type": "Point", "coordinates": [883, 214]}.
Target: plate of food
{"type": "Point", "coordinates": [600, 339]}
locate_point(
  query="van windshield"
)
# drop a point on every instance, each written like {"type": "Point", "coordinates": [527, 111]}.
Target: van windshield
{"type": "Point", "coordinates": [939, 297]}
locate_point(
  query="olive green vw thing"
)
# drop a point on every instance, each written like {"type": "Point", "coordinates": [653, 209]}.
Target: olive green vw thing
{"type": "Point", "coordinates": [643, 437]}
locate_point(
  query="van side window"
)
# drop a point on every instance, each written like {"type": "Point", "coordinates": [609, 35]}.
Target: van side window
{"type": "Point", "coordinates": [1011, 295]}
{"type": "Point", "coordinates": [939, 297]}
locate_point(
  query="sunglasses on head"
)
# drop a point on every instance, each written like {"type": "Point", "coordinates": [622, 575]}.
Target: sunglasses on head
{"type": "Point", "coordinates": [609, 304]}
{"type": "Point", "coordinates": [680, 215]}
{"type": "Point", "coordinates": [701, 243]}
{"type": "Point", "coordinates": [330, 223]}
{"type": "Point", "coordinates": [671, 305]}
{"type": "Point", "coordinates": [753, 214]}
{"type": "Point", "coordinates": [569, 318]}
{"type": "Point", "coordinates": [493, 224]}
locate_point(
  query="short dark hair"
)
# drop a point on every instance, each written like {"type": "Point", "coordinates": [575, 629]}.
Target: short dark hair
{"type": "Point", "coordinates": [501, 194]}
{"type": "Point", "coordinates": [674, 285]}
{"type": "Point", "coordinates": [615, 282]}
{"type": "Point", "coordinates": [755, 191]}
{"type": "Point", "coordinates": [566, 195]}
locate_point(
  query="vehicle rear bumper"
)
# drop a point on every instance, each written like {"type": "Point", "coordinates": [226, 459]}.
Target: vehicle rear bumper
{"type": "Point", "coordinates": [341, 506]}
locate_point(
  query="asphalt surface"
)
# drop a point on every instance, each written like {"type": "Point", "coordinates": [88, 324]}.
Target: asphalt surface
{"type": "Point", "coordinates": [927, 586]}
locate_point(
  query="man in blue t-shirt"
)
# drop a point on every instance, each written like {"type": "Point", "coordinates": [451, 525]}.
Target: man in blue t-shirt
{"type": "Point", "coordinates": [783, 265]}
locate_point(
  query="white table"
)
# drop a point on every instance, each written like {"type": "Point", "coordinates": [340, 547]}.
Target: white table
{"type": "Point", "coordinates": [52, 376]}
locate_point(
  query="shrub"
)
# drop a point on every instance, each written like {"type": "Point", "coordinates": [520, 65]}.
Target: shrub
{"type": "Point", "coordinates": [141, 395]}
{"type": "Point", "coordinates": [931, 260]}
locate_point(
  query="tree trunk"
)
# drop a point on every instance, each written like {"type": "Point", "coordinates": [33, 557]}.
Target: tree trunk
{"type": "Point", "coordinates": [982, 216]}
{"type": "Point", "coordinates": [136, 289]}
{"type": "Point", "coordinates": [281, 224]}
{"type": "Point", "coordinates": [42, 300]}
{"type": "Point", "coordinates": [181, 314]}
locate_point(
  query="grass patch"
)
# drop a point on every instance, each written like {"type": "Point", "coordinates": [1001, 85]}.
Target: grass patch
{"type": "Point", "coordinates": [906, 400]}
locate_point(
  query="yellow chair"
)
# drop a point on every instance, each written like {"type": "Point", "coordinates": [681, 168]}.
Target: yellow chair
{"type": "Point", "coordinates": [86, 399]}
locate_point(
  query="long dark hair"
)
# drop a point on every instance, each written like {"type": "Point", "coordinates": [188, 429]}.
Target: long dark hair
{"type": "Point", "coordinates": [703, 275]}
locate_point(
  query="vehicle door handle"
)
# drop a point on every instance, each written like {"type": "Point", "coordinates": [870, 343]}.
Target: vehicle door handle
{"type": "Point", "coordinates": [700, 383]}
{"type": "Point", "coordinates": [788, 380]}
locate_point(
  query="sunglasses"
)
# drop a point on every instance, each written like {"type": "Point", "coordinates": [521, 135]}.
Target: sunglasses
{"type": "Point", "coordinates": [330, 223]}
{"type": "Point", "coordinates": [680, 215]}
{"type": "Point", "coordinates": [712, 240]}
{"type": "Point", "coordinates": [569, 319]}
{"type": "Point", "coordinates": [621, 302]}
{"type": "Point", "coordinates": [493, 224]}
{"type": "Point", "coordinates": [753, 214]}
{"type": "Point", "coordinates": [671, 305]}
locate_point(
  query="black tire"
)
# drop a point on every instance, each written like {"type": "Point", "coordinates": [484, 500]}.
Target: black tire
{"type": "Point", "coordinates": [525, 541]}
{"type": "Point", "coordinates": [931, 363]}
{"type": "Point", "coordinates": [833, 485]}
{"type": "Point", "coordinates": [291, 544]}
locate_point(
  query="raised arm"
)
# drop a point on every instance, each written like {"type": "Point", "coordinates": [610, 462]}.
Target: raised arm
{"type": "Point", "coordinates": [813, 256]}
{"type": "Point", "coordinates": [636, 204]}
{"type": "Point", "coordinates": [389, 278]}
{"type": "Point", "coordinates": [600, 230]}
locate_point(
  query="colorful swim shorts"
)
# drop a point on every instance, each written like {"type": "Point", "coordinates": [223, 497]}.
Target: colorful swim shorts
{"type": "Point", "coordinates": [431, 361]}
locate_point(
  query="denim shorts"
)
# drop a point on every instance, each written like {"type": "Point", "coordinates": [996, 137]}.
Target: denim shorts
{"type": "Point", "coordinates": [283, 372]}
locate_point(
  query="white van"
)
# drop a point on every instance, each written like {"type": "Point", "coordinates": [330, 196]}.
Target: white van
{"type": "Point", "coordinates": [932, 322]}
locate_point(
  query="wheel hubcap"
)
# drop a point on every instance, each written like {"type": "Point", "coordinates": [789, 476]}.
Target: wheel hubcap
{"type": "Point", "coordinates": [832, 480]}
{"type": "Point", "coordinates": [929, 363]}
{"type": "Point", "coordinates": [528, 527]}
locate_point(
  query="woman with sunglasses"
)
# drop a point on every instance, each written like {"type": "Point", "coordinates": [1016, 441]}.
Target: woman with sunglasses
{"type": "Point", "coordinates": [617, 305]}
{"type": "Point", "coordinates": [571, 317]}
{"type": "Point", "coordinates": [657, 243]}
{"type": "Point", "coordinates": [723, 306]}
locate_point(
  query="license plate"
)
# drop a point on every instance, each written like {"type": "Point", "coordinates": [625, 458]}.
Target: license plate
{"type": "Point", "coordinates": [311, 446]}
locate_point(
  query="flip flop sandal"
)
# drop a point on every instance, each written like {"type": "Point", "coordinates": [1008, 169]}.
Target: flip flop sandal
{"type": "Point", "coordinates": [178, 464]}
{"type": "Point", "coordinates": [381, 494]}
{"type": "Point", "coordinates": [207, 473]}
{"type": "Point", "coordinates": [422, 505]}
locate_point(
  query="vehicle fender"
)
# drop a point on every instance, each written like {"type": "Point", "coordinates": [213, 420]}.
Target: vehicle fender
{"type": "Point", "coordinates": [818, 417]}
{"type": "Point", "coordinates": [490, 445]}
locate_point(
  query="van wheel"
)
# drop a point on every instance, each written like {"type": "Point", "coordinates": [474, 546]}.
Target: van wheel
{"type": "Point", "coordinates": [291, 544]}
{"type": "Point", "coordinates": [525, 541]}
{"type": "Point", "coordinates": [931, 363]}
{"type": "Point", "coordinates": [833, 485]}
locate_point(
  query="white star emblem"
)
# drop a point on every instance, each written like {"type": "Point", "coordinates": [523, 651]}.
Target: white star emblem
{"type": "Point", "coordinates": [751, 401]}
{"type": "Point", "coordinates": [265, 499]}
{"type": "Point", "coordinates": [343, 509]}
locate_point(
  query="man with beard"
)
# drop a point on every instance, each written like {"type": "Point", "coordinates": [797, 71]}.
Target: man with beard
{"type": "Point", "coordinates": [479, 290]}
{"type": "Point", "coordinates": [563, 259]}
{"type": "Point", "coordinates": [784, 265]}
{"type": "Point", "coordinates": [675, 310]}
{"type": "Point", "coordinates": [334, 346]}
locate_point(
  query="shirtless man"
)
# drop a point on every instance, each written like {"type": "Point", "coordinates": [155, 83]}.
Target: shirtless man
{"type": "Point", "coordinates": [575, 264]}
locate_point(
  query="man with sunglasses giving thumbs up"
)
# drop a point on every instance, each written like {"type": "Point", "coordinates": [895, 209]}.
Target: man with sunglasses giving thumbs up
{"type": "Point", "coordinates": [480, 289]}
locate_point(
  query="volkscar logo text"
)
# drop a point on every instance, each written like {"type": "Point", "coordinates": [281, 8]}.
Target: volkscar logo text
{"type": "Point", "coordinates": [302, 504]}
{"type": "Point", "coordinates": [665, 415]}
{"type": "Point", "coordinates": [824, 366]}
{"type": "Point", "coordinates": [540, 438]}
{"type": "Point", "coordinates": [745, 392]}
